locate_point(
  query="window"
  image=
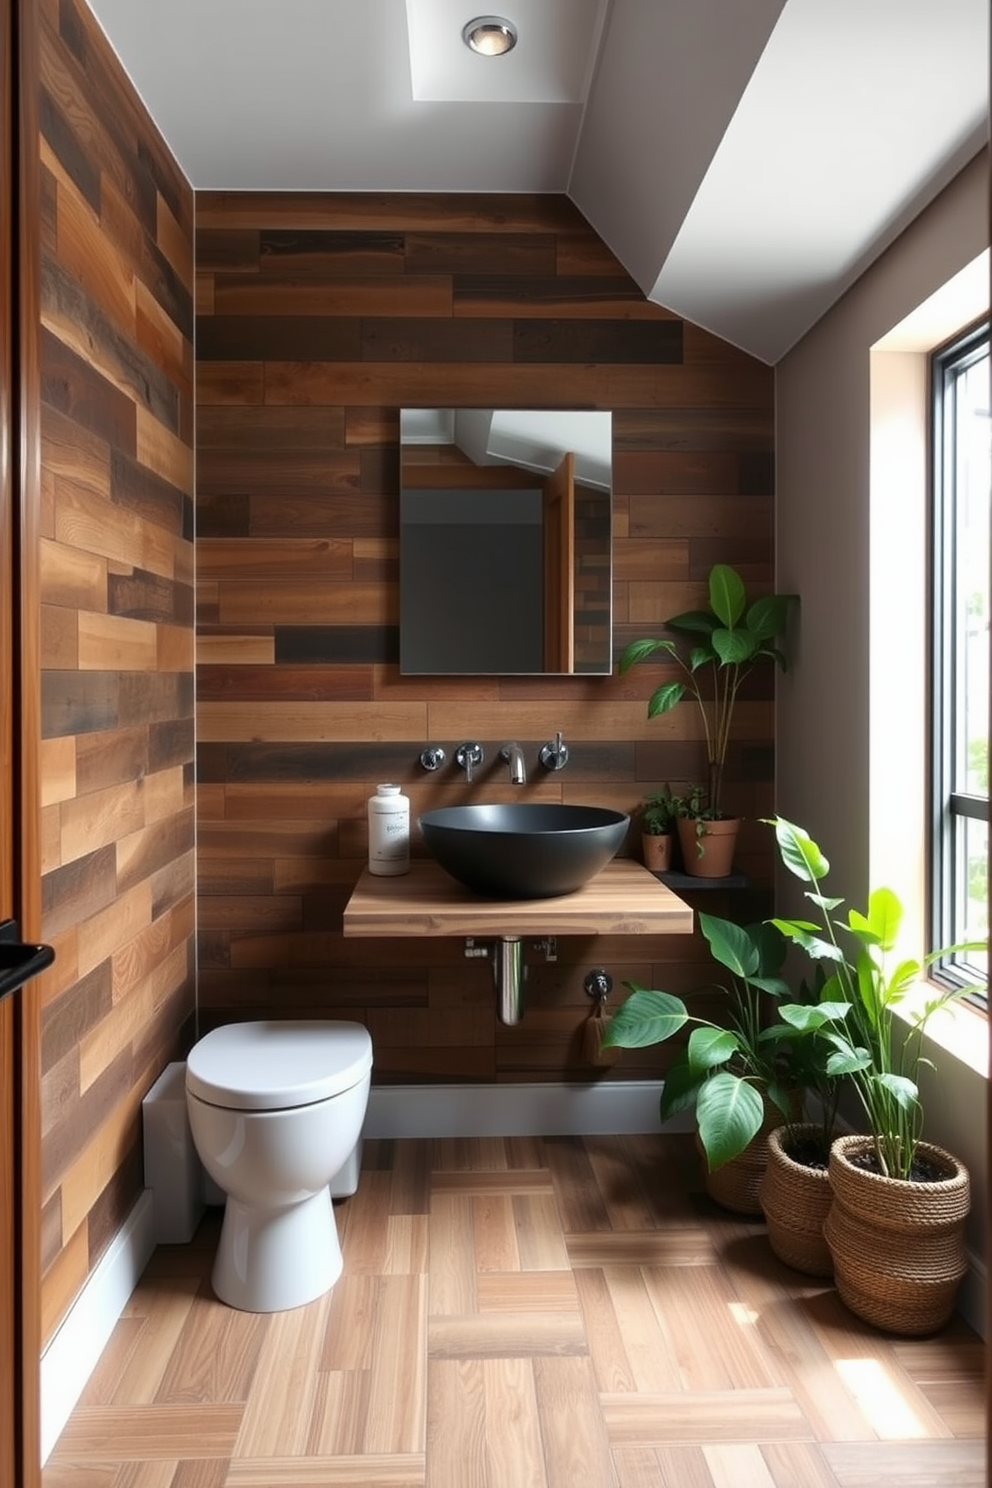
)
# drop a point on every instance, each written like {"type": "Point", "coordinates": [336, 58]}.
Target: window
{"type": "Point", "coordinates": [962, 478]}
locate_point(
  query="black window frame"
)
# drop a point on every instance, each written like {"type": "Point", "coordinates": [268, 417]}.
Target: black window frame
{"type": "Point", "coordinates": [950, 809]}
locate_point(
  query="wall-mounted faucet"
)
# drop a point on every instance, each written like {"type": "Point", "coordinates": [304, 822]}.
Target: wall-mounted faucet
{"type": "Point", "coordinates": [514, 755]}
{"type": "Point", "coordinates": [467, 756]}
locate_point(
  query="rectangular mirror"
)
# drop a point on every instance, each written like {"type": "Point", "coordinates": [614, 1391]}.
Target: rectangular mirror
{"type": "Point", "coordinates": [505, 527]}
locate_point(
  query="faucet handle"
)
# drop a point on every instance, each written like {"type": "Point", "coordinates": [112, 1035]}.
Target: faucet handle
{"type": "Point", "coordinates": [467, 756]}
{"type": "Point", "coordinates": [554, 754]}
{"type": "Point", "coordinates": [432, 758]}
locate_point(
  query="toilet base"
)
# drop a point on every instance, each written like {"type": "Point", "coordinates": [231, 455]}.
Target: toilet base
{"type": "Point", "coordinates": [269, 1260]}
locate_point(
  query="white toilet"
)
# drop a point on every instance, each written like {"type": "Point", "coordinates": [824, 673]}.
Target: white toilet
{"type": "Point", "coordinates": [276, 1111]}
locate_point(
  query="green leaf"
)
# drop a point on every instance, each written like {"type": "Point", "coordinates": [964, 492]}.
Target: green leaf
{"type": "Point", "coordinates": [771, 944]}
{"type": "Point", "coordinates": [799, 852]}
{"type": "Point", "coordinates": [782, 1097]}
{"type": "Point", "coordinates": [729, 1113]}
{"type": "Point", "coordinates": [734, 646]}
{"type": "Point", "coordinates": [665, 697]}
{"type": "Point", "coordinates": [860, 927]}
{"type": "Point", "coordinates": [870, 988]}
{"type": "Point", "coordinates": [701, 656]}
{"type": "Point", "coordinates": [768, 616]}
{"type": "Point", "coordinates": [803, 934]}
{"type": "Point", "coordinates": [848, 1062]}
{"type": "Point", "coordinates": [727, 597]}
{"type": "Point", "coordinates": [807, 1018]}
{"type": "Point", "coordinates": [835, 990]}
{"type": "Point", "coordinates": [645, 1018]}
{"type": "Point", "coordinates": [835, 1012]}
{"type": "Point", "coordinates": [885, 916]}
{"type": "Point", "coordinates": [680, 1088]}
{"type": "Point", "coordinates": [774, 986]}
{"type": "Point", "coordinates": [730, 944]}
{"type": "Point", "coordinates": [693, 620]}
{"type": "Point", "coordinates": [902, 979]}
{"type": "Point", "coordinates": [639, 651]}
{"type": "Point", "coordinates": [709, 1047]}
{"type": "Point", "coordinates": [823, 901]}
{"type": "Point", "coordinates": [963, 947]}
{"type": "Point", "coordinates": [900, 1087]}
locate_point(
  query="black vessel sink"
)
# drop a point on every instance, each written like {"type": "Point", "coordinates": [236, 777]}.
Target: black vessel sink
{"type": "Point", "coordinates": [530, 851]}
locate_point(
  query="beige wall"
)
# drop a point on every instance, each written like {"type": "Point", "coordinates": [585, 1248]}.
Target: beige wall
{"type": "Point", "coordinates": [823, 404]}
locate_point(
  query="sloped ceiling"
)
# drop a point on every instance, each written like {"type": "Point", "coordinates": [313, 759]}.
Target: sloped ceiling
{"type": "Point", "coordinates": [744, 159]}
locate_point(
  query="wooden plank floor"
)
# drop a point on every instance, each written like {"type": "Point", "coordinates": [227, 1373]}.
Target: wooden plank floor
{"type": "Point", "coordinates": [525, 1313]}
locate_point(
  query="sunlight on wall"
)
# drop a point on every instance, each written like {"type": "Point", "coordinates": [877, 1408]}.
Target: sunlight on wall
{"type": "Point", "coordinates": [898, 611]}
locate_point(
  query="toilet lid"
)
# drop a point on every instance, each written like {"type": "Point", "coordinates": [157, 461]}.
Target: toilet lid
{"type": "Point", "coordinates": [272, 1066]}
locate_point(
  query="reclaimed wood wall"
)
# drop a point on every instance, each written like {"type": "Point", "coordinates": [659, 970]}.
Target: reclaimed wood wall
{"type": "Point", "coordinates": [319, 317]}
{"type": "Point", "coordinates": [116, 633]}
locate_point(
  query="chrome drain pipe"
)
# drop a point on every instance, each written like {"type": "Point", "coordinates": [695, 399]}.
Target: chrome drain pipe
{"type": "Point", "coordinates": [508, 974]}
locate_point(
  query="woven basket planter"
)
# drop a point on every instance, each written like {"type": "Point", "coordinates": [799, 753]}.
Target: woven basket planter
{"type": "Point", "coordinates": [897, 1246]}
{"type": "Point", "coordinates": [796, 1199]}
{"type": "Point", "coordinates": [736, 1185]}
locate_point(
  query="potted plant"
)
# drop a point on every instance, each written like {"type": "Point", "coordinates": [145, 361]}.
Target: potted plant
{"type": "Point", "coordinates": [715, 649]}
{"type": "Point", "coordinates": [741, 1078]}
{"type": "Point", "coordinates": [895, 1227]}
{"type": "Point", "coordinates": [657, 818]}
{"type": "Point", "coordinates": [706, 837]}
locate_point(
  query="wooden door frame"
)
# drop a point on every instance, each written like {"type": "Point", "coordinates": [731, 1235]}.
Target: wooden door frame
{"type": "Point", "coordinates": [9, 1408]}
{"type": "Point", "coordinates": [25, 641]}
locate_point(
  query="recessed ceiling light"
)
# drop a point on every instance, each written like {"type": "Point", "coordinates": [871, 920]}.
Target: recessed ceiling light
{"type": "Point", "coordinates": [490, 36]}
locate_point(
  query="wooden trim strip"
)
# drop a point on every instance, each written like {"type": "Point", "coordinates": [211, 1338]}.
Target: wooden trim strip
{"type": "Point", "coordinates": [8, 1192]}
{"type": "Point", "coordinates": [27, 644]}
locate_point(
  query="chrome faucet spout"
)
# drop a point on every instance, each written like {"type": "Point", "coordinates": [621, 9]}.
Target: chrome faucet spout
{"type": "Point", "coordinates": [514, 756]}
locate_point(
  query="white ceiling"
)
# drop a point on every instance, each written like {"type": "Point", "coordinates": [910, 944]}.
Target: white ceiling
{"type": "Point", "coordinates": [745, 160]}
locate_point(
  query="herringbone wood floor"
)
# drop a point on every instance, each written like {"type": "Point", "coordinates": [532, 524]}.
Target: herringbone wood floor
{"type": "Point", "coordinates": [525, 1313]}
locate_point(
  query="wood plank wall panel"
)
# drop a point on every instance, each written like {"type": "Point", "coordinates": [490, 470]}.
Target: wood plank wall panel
{"type": "Point", "coordinates": [318, 318]}
{"type": "Point", "coordinates": [116, 560]}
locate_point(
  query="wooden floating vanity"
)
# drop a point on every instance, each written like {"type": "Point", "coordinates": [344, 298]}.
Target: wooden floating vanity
{"type": "Point", "coordinates": [622, 899]}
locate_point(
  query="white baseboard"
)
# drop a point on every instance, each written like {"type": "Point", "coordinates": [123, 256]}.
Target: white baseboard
{"type": "Point", "coordinates": [514, 1110]}
{"type": "Point", "coordinates": [73, 1353]}
{"type": "Point", "coordinates": [972, 1298]}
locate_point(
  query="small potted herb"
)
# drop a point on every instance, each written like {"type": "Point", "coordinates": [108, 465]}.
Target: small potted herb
{"type": "Point", "coordinates": [707, 838]}
{"type": "Point", "coordinates": [657, 821]}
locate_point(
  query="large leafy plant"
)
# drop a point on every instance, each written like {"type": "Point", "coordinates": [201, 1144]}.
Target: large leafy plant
{"type": "Point", "coordinates": [879, 1053]}
{"type": "Point", "coordinates": [725, 1072]}
{"type": "Point", "coordinates": [715, 650]}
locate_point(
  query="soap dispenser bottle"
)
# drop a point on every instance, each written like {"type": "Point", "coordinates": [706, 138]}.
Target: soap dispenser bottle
{"type": "Point", "coordinates": [389, 831]}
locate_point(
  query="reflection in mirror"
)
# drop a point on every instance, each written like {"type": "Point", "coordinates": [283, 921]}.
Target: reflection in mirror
{"type": "Point", "coordinates": [505, 541]}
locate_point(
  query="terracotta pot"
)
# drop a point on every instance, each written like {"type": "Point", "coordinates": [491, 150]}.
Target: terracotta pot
{"type": "Point", "coordinates": [796, 1200]}
{"type": "Point", "coordinates": [656, 851]}
{"type": "Point", "coordinates": [710, 853]}
{"type": "Point", "coordinates": [897, 1245]}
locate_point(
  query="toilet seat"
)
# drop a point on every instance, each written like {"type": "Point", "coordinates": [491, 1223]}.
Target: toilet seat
{"type": "Point", "coordinates": [273, 1066]}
